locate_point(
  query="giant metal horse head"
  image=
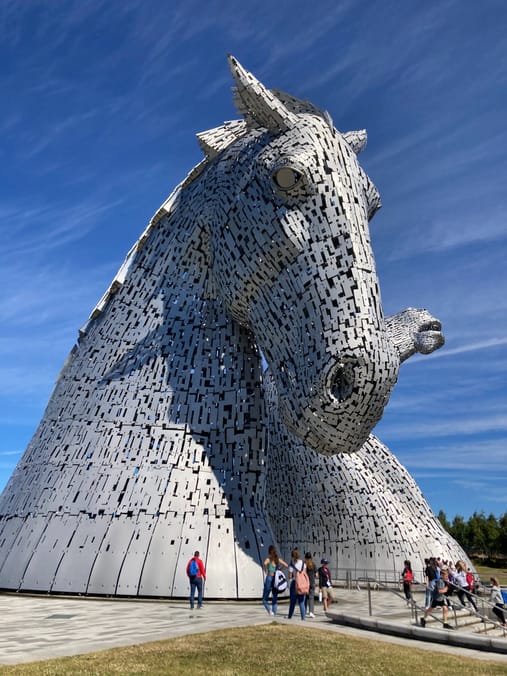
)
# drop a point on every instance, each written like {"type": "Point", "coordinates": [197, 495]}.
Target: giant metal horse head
{"type": "Point", "coordinates": [288, 212]}
{"type": "Point", "coordinates": [153, 441]}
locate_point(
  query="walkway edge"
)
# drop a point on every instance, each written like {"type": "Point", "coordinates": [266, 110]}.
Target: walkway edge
{"type": "Point", "coordinates": [443, 636]}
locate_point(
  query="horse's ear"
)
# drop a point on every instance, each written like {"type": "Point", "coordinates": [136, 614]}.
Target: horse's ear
{"type": "Point", "coordinates": [213, 141]}
{"type": "Point", "coordinates": [356, 140]}
{"type": "Point", "coordinates": [259, 106]}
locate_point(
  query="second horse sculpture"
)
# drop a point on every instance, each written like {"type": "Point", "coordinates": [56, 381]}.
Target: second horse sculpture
{"type": "Point", "coordinates": [160, 437]}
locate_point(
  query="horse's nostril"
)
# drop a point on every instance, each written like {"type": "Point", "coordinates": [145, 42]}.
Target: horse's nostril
{"type": "Point", "coordinates": [433, 325]}
{"type": "Point", "coordinates": [341, 381]}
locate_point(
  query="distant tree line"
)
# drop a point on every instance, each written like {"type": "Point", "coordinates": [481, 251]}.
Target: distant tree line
{"type": "Point", "coordinates": [480, 535]}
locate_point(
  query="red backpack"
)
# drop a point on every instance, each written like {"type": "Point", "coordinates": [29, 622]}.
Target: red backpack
{"type": "Point", "coordinates": [470, 580]}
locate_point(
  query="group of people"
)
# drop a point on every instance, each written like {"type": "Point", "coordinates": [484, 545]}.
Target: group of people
{"type": "Point", "coordinates": [303, 577]}
{"type": "Point", "coordinates": [442, 579]}
{"type": "Point", "coordinates": [302, 573]}
{"type": "Point", "coordinates": [459, 579]}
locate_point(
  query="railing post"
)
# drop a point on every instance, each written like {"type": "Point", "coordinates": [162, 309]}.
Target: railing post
{"type": "Point", "coordinates": [369, 597]}
{"type": "Point", "coordinates": [455, 616]}
{"type": "Point", "coordinates": [483, 612]}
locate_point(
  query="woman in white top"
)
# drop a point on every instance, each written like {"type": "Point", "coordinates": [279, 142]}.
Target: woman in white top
{"type": "Point", "coordinates": [461, 584]}
{"type": "Point", "coordinates": [296, 565]}
{"type": "Point", "coordinates": [497, 598]}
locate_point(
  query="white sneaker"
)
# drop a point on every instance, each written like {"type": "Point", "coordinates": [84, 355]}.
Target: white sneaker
{"type": "Point", "coordinates": [311, 615]}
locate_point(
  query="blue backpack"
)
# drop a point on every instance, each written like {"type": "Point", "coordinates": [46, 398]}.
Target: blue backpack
{"type": "Point", "coordinates": [193, 568]}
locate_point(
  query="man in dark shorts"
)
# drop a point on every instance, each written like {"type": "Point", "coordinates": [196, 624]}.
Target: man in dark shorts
{"type": "Point", "coordinates": [440, 599]}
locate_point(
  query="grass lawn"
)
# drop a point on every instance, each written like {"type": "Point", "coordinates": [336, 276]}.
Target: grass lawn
{"type": "Point", "coordinates": [485, 572]}
{"type": "Point", "coordinates": [272, 650]}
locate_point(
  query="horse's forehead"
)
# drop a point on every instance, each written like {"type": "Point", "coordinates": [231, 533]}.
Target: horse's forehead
{"type": "Point", "coordinates": [310, 131]}
{"type": "Point", "coordinates": [313, 138]}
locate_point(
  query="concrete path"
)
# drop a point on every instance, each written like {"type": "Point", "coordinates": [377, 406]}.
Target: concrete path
{"type": "Point", "coordinates": [41, 627]}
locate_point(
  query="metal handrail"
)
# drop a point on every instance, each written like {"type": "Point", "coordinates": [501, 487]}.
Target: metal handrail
{"type": "Point", "coordinates": [415, 607]}
{"type": "Point", "coordinates": [479, 600]}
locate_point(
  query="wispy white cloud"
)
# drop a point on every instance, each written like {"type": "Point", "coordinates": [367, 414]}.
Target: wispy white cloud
{"type": "Point", "coordinates": [306, 35]}
{"type": "Point", "coordinates": [58, 225]}
{"type": "Point", "coordinates": [41, 310]}
{"type": "Point", "coordinates": [465, 490]}
{"type": "Point", "coordinates": [359, 70]}
{"type": "Point", "coordinates": [46, 302]}
{"type": "Point", "coordinates": [65, 126]}
{"type": "Point", "coordinates": [453, 426]}
{"type": "Point", "coordinates": [477, 455]}
{"type": "Point", "coordinates": [27, 380]}
{"type": "Point", "coordinates": [462, 349]}
{"type": "Point", "coordinates": [8, 467]}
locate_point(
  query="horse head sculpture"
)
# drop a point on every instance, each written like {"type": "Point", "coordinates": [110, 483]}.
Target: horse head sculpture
{"type": "Point", "coordinates": [292, 261]}
{"type": "Point", "coordinates": [154, 439]}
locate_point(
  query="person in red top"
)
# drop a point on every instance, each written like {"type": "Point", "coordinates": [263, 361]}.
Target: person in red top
{"type": "Point", "coordinates": [197, 575]}
{"type": "Point", "coordinates": [407, 577]}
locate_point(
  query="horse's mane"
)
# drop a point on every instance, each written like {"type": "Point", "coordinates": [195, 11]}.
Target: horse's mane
{"type": "Point", "coordinates": [213, 143]}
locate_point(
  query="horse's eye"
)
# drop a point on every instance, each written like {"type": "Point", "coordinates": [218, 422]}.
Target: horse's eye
{"type": "Point", "coordinates": [287, 178]}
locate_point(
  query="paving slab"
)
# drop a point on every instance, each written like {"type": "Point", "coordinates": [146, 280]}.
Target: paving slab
{"type": "Point", "coordinates": [43, 627]}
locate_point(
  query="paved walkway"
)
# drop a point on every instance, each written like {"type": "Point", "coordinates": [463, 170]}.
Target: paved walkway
{"type": "Point", "coordinates": [41, 627]}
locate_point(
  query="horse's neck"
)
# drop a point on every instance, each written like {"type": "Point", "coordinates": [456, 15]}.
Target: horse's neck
{"type": "Point", "coordinates": [217, 353]}
{"type": "Point", "coordinates": [166, 333]}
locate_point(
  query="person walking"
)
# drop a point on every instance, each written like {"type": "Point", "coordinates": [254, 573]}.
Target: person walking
{"type": "Point", "coordinates": [270, 565]}
{"type": "Point", "coordinates": [460, 581]}
{"type": "Point", "coordinates": [325, 584]}
{"type": "Point", "coordinates": [440, 599]}
{"type": "Point", "coordinates": [311, 572]}
{"type": "Point", "coordinates": [431, 574]}
{"type": "Point", "coordinates": [196, 573]}
{"type": "Point", "coordinates": [497, 598]}
{"type": "Point", "coordinates": [297, 565]}
{"type": "Point", "coordinates": [407, 577]}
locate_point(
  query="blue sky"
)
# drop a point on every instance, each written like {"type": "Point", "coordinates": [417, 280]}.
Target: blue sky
{"type": "Point", "coordinates": [100, 104]}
